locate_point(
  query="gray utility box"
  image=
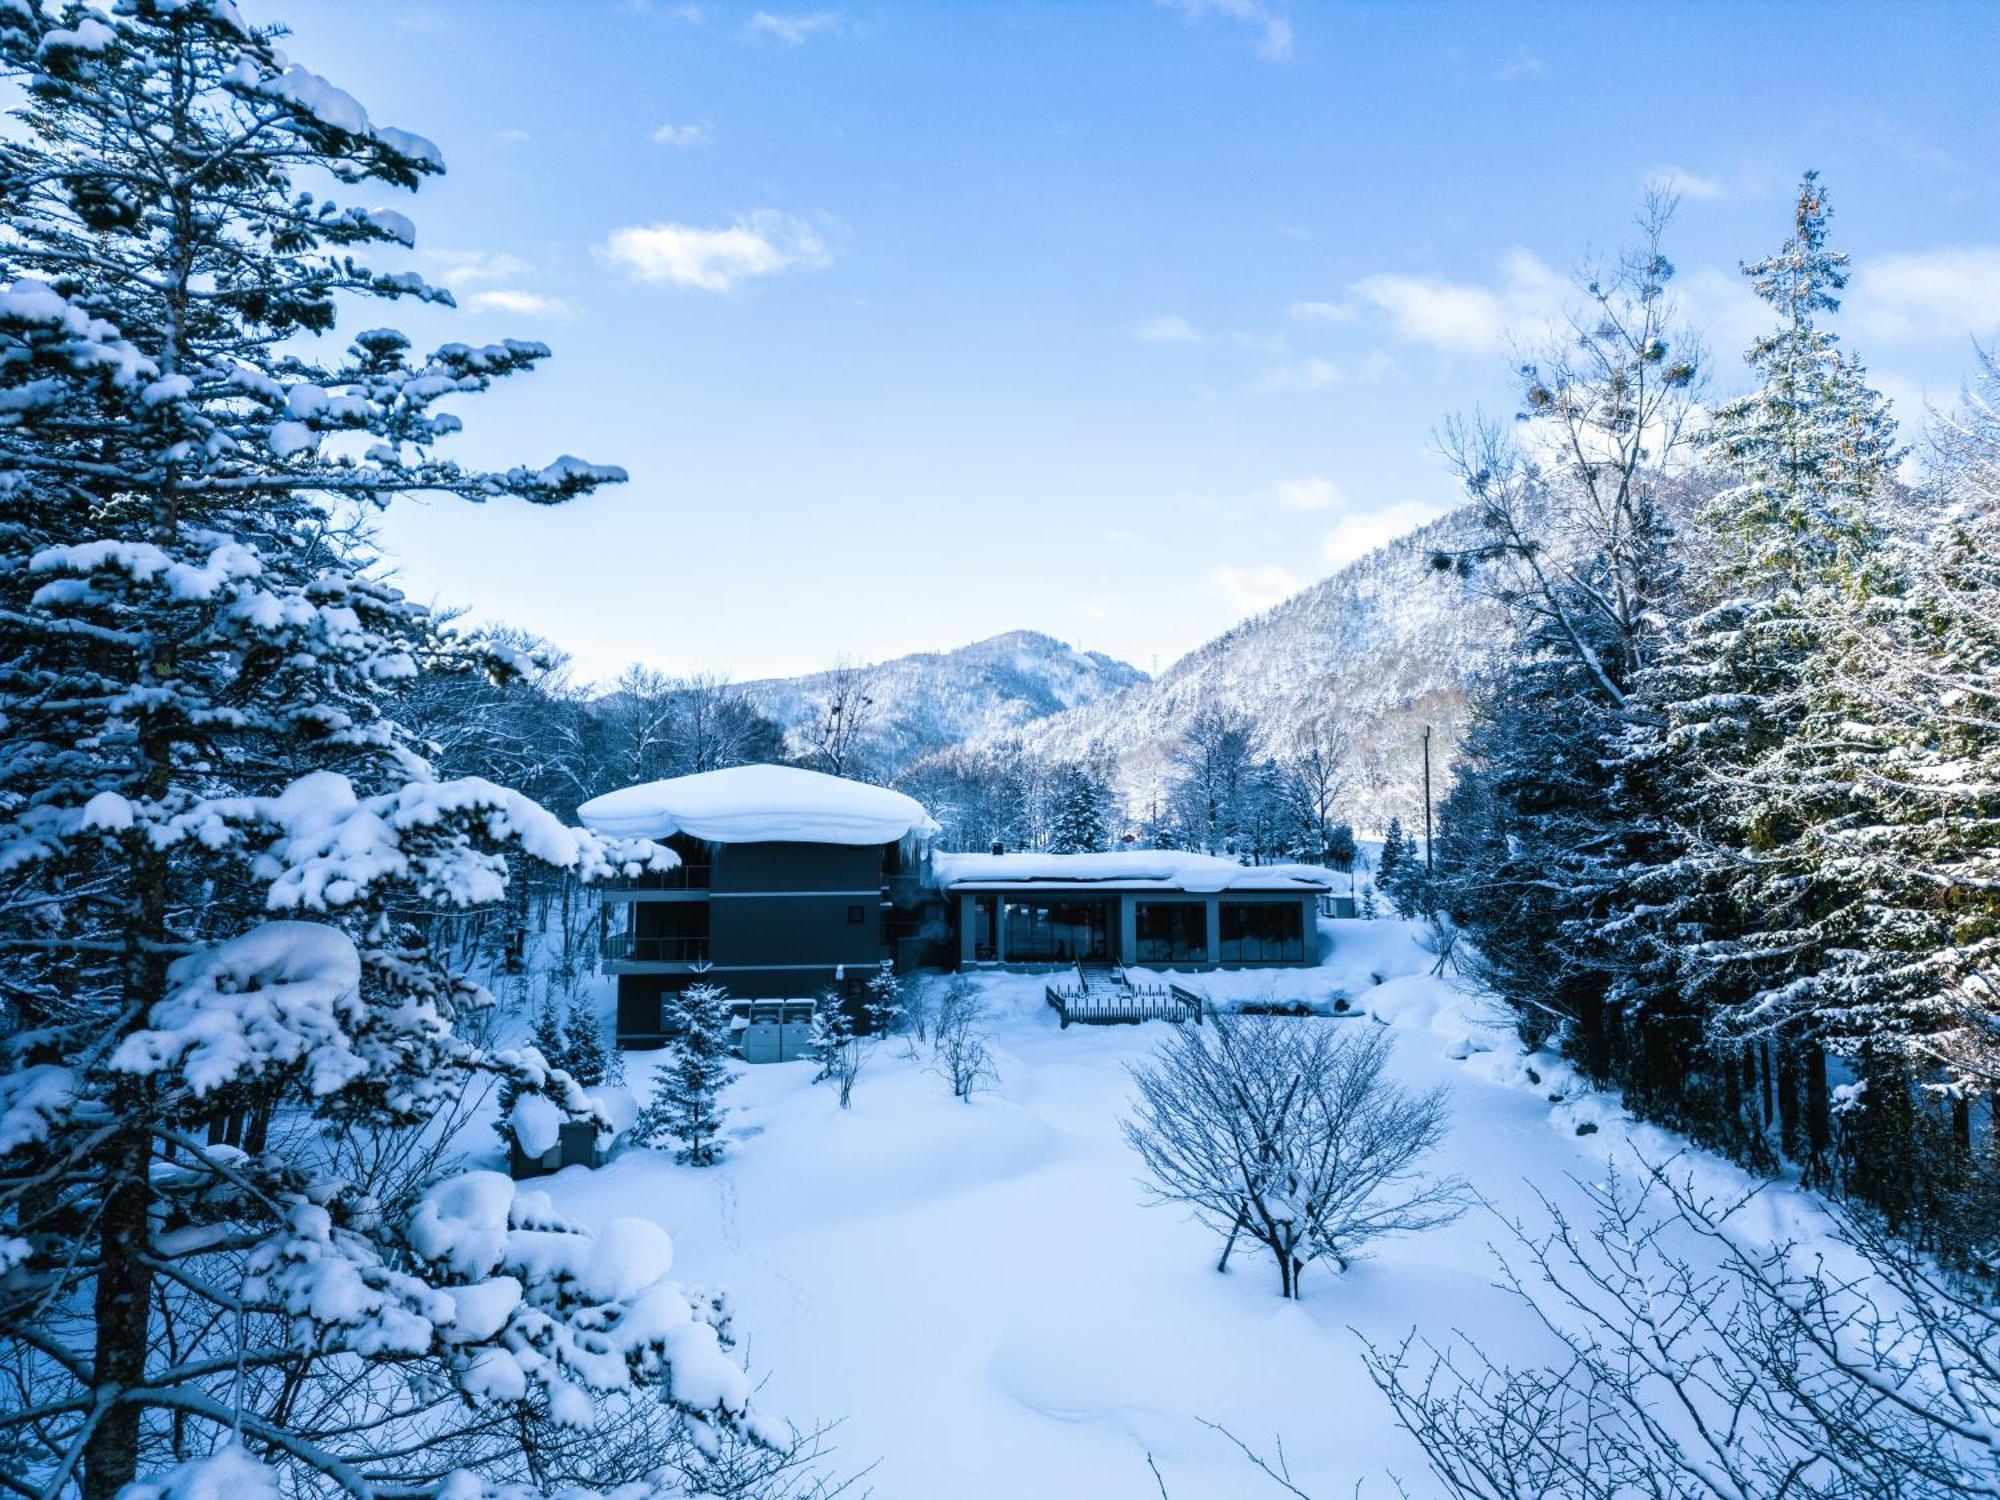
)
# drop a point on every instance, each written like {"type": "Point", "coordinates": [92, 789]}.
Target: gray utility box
{"type": "Point", "coordinates": [778, 1031]}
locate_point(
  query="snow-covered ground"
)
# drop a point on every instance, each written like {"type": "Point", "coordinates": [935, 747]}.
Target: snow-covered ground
{"type": "Point", "coordinates": [980, 1296]}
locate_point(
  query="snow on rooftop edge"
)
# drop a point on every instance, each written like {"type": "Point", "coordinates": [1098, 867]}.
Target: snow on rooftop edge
{"type": "Point", "coordinates": [1166, 867]}
{"type": "Point", "coordinates": [758, 804]}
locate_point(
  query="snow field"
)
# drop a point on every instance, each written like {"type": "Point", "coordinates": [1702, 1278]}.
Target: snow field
{"type": "Point", "coordinates": [981, 1297]}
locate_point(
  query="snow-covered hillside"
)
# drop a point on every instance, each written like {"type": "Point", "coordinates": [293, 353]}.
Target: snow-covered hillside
{"type": "Point", "coordinates": [981, 1297]}
{"type": "Point", "coordinates": [1384, 646]}
{"type": "Point", "coordinates": [933, 699]}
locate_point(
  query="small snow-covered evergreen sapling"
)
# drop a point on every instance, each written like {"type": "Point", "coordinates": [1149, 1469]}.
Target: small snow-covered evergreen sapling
{"type": "Point", "coordinates": [686, 1105]}
{"type": "Point", "coordinates": [218, 847]}
{"type": "Point", "coordinates": [835, 1046]}
{"type": "Point", "coordinates": [884, 1005]}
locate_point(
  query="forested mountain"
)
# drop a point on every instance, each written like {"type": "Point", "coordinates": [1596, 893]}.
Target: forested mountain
{"type": "Point", "coordinates": [1379, 649]}
{"type": "Point", "coordinates": [923, 702]}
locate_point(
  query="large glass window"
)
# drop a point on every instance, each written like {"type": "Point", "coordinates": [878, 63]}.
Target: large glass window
{"type": "Point", "coordinates": [1057, 931]}
{"type": "Point", "coordinates": [985, 928]}
{"type": "Point", "coordinates": [1263, 932]}
{"type": "Point", "coordinates": [1172, 932]}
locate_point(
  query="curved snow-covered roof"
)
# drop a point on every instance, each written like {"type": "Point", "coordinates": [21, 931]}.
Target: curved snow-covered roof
{"type": "Point", "coordinates": [1161, 869]}
{"type": "Point", "coordinates": [756, 805]}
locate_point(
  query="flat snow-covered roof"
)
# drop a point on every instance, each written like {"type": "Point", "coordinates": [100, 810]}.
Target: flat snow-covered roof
{"type": "Point", "coordinates": [756, 805]}
{"type": "Point", "coordinates": [1161, 869]}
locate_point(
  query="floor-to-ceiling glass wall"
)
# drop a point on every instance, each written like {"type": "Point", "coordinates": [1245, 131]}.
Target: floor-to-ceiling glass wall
{"type": "Point", "coordinates": [1171, 932]}
{"type": "Point", "coordinates": [1048, 930]}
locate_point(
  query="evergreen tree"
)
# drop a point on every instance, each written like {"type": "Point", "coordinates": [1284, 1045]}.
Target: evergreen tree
{"type": "Point", "coordinates": [217, 847]}
{"type": "Point", "coordinates": [1389, 863]}
{"type": "Point", "coordinates": [1079, 818]}
{"type": "Point", "coordinates": [550, 1036]}
{"type": "Point", "coordinates": [585, 1057]}
{"type": "Point", "coordinates": [835, 1047]}
{"type": "Point", "coordinates": [884, 1006]}
{"type": "Point", "coordinates": [1735, 911]}
{"type": "Point", "coordinates": [686, 1105]}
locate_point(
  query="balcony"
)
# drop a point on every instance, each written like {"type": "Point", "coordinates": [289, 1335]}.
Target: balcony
{"type": "Point", "coordinates": [681, 877]}
{"type": "Point", "coordinates": [630, 948]}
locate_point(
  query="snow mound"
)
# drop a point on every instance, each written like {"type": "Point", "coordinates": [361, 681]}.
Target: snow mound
{"type": "Point", "coordinates": [758, 804]}
{"type": "Point", "coordinates": [1163, 868]}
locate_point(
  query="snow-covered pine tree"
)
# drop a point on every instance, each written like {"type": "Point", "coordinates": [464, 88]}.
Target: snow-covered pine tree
{"type": "Point", "coordinates": [585, 1057]}
{"type": "Point", "coordinates": [550, 1036]}
{"type": "Point", "coordinates": [1738, 909]}
{"type": "Point", "coordinates": [216, 845]}
{"type": "Point", "coordinates": [1389, 863]}
{"type": "Point", "coordinates": [1902, 857]}
{"type": "Point", "coordinates": [835, 1046]}
{"type": "Point", "coordinates": [686, 1104]}
{"type": "Point", "coordinates": [883, 1005]}
{"type": "Point", "coordinates": [1078, 821]}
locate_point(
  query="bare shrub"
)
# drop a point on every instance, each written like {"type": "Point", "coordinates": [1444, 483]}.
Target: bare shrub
{"type": "Point", "coordinates": [958, 1033]}
{"type": "Point", "coordinates": [1287, 1131]}
{"type": "Point", "coordinates": [1691, 1363]}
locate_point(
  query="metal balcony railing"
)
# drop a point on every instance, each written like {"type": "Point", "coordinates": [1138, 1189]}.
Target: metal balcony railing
{"type": "Point", "coordinates": [626, 947]}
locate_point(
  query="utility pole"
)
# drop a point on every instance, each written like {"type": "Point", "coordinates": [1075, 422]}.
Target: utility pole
{"type": "Point", "coordinates": [1427, 799]}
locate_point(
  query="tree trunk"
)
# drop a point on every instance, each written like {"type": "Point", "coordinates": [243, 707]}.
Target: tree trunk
{"type": "Point", "coordinates": [1819, 1119]}
{"type": "Point", "coordinates": [123, 1304]}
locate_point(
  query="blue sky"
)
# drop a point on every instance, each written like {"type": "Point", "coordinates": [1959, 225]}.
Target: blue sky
{"type": "Point", "coordinates": [918, 322]}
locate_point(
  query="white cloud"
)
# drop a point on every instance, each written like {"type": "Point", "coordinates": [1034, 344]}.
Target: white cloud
{"type": "Point", "coordinates": [1268, 24]}
{"type": "Point", "coordinates": [1692, 186]}
{"type": "Point", "coordinates": [1520, 63]}
{"type": "Point", "coordinates": [1322, 312]}
{"type": "Point", "coordinates": [1467, 317]}
{"type": "Point", "coordinates": [1306, 494]}
{"type": "Point", "coordinates": [1170, 329]}
{"type": "Point", "coordinates": [1312, 374]}
{"type": "Point", "coordinates": [681, 135]}
{"type": "Point", "coordinates": [1358, 534]}
{"type": "Point", "coordinates": [459, 269]}
{"type": "Point", "coordinates": [513, 300]}
{"type": "Point", "coordinates": [1947, 293]}
{"type": "Point", "coordinates": [485, 281]}
{"type": "Point", "coordinates": [793, 29]}
{"type": "Point", "coordinates": [512, 135]}
{"type": "Point", "coordinates": [1252, 590]}
{"type": "Point", "coordinates": [716, 260]}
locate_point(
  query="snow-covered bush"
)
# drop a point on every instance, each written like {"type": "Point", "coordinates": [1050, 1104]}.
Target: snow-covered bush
{"type": "Point", "coordinates": [1288, 1132]}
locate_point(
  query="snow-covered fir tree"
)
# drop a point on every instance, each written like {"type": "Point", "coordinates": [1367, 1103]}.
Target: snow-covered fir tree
{"type": "Point", "coordinates": [686, 1104]}
{"type": "Point", "coordinates": [836, 1046]}
{"type": "Point", "coordinates": [884, 1003]}
{"type": "Point", "coordinates": [219, 848]}
{"type": "Point", "coordinates": [1079, 820]}
{"type": "Point", "coordinates": [1733, 914]}
{"type": "Point", "coordinates": [585, 1057]}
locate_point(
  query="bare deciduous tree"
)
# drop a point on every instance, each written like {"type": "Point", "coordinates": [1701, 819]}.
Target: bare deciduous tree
{"type": "Point", "coordinates": [834, 735]}
{"type": "Point", "coordinates": [1288, 1132]}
